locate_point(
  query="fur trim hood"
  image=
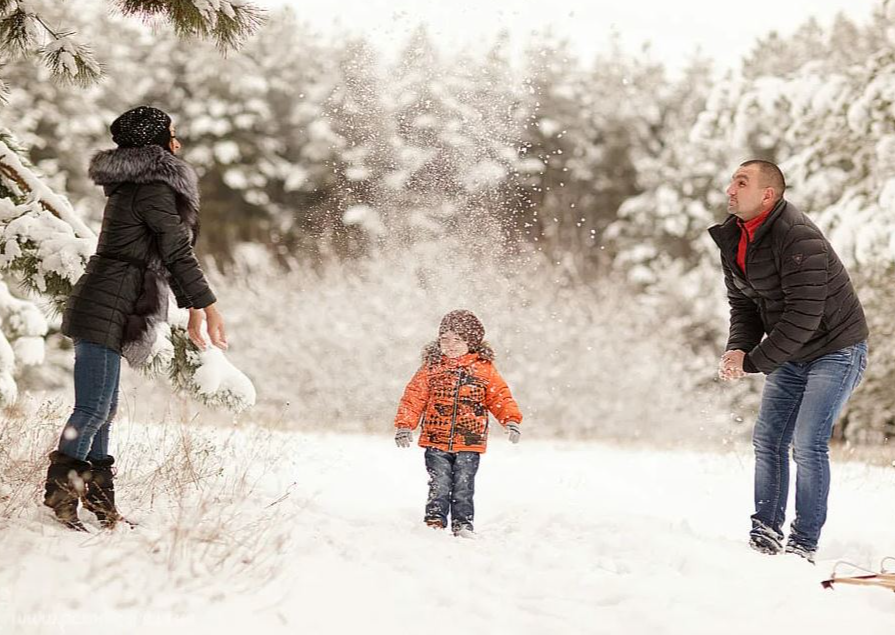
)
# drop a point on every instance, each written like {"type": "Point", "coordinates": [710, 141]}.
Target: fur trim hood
{"type": "Point", "coordinates": [432, 352]}
{"type": "Point", "coordinates": [148, 164]}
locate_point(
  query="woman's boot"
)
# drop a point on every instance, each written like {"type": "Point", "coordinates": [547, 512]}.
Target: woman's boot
{"type": "Point", "coordinates": [66, 483]}
{"type": "Point", "coordinates": [100, 497]}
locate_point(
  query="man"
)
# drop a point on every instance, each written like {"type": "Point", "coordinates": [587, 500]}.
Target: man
{"type": "Point", "coordinates": [795, 317]}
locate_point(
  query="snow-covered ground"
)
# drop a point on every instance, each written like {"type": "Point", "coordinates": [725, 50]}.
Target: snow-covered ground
{"type": "Point", "coordinates": [252, 531]}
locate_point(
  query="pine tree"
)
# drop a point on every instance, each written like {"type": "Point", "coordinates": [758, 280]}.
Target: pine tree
{"type": "Point", "coordinates": [357, 114]}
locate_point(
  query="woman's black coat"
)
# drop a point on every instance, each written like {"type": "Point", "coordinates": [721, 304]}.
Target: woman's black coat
{"type": "Point", "coordinates": [150, 225]}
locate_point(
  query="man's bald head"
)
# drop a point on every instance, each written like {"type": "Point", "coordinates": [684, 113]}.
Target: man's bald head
{"type": "Point", "coordinates": [770, 175]}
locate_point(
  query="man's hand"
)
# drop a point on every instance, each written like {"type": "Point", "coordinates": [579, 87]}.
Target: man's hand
{"type": "Point", "coordinates": [514, 432]}
{"type": "Point", "coordinates": [731, 365]}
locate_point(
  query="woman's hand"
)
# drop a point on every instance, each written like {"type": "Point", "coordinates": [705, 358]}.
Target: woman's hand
{"type": "Point", "coordinates": [194, 328]}
{"type": "Point", "coordinates": [215, 327]}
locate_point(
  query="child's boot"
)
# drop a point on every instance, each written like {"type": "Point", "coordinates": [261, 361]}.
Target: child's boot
{"type": "Point", "coordinates": [463, 530]}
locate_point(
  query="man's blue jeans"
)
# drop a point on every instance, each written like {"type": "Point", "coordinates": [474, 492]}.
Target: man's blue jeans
{"type": "Point", "coordinates": [799, 405]}
{"type": "Point", "coordinates": [97, 371]}
{"type": "Point", "coordinates": [451, 487]}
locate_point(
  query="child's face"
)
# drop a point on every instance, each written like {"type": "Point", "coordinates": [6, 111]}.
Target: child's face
{"type": "Point", "coordinates": [452, 344]}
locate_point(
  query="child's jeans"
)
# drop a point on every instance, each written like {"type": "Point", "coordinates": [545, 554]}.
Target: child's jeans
{"type": "Point", "coordinates": [451, 487]}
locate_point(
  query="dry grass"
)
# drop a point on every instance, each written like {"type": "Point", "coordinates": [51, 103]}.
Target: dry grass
{"type": "Point", "coordinates": [202, 498]}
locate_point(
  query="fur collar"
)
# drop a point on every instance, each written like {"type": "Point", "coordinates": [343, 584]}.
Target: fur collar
{"type": "Point", "coordinates": [432, 352]}
{"type": "Point", "coordinates": [146, 165]}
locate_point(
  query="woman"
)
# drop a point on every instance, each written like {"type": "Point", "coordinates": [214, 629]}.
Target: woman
{"type": "Point", "coordinates": [149, 229]}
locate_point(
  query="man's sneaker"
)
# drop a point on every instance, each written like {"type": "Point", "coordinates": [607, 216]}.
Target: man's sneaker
{"type": "Point", "coordinates": [765, 545]}
{"type": "Point", "coordinates": [764, 539]}
{"type": "Point", "coordinates": [800, 551]}
{"type": "Point", "coordinates": [435, 523]}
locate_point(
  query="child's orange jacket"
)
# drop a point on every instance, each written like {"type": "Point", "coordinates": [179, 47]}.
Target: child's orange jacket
{"type": "Point", "coordinates": [452, 397]}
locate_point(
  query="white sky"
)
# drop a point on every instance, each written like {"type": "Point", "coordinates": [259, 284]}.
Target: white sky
{"type": "Point", "coordinates": [724, 30]}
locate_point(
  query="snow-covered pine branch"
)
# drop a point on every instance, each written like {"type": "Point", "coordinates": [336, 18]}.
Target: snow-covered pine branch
{"type": "Point", "coordinates": [71, 60]}
{"type": "Point", "coordinates": [22, 331]}
{"type": "Point", "coordinates": [42, 240]}
{"type": "Point", "coordinates": [208, 376]}
{"type": "Point", "coordinates": [24, 32]}
{"type": "Point", "coordinates": [19, 27]}
{"type": "Point", "coordinates": [227, 22]}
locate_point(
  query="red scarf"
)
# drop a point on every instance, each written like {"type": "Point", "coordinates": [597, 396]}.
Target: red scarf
{"type": "Point", "coordinates": [747, 233]}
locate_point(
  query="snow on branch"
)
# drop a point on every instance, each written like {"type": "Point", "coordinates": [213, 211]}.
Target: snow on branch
{"type": "Point", "coordinates": [13, 167]}
{"type": "Point", "coordinates": [41, 237]}
{"type": "Point", "coordinates": [23, 31]}
{"type": "Point", "coordinates": [208, 375]}
{"type": "Point", "coordinates": [70, 60]}
{"type": "Point", "coordinates": [228, 22]}
{"type": "Point", "coordinates": [19, 28]}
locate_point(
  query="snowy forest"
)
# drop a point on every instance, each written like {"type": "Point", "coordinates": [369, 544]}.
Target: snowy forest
{"type": "Point", "coordinates": [350, 198]}
{"type": "Point", "coordinates": [352, 194]}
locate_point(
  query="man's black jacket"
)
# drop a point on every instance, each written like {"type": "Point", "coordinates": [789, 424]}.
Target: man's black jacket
{"type": "Point", "coordinates": [795, 290]}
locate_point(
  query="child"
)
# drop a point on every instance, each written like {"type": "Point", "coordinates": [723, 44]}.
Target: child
{"type": "Point", "coordinates": [452, 393]}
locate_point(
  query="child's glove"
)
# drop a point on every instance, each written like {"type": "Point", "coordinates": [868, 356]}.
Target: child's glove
{"type": "Point", "coordinates": [403, 438]}
{"type": "Point", "coordinates": [514, 432]}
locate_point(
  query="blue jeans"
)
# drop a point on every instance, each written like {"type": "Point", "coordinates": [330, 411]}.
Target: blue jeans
{"type": "Point", "coordinates": [451, 486]}
{"type": "Point", "coordinates": [97, 371]}
{"type": "Point", "coordinates": [799, 405]}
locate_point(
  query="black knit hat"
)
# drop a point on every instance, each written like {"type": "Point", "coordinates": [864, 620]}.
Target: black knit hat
{"type": "Point", "coordinates": [142, 126]}
{"type": "Point", "coordinates": [466, 325]}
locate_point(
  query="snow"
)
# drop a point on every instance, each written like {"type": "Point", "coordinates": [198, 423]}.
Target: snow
{"type": "Point", "coordinates": [890, 16]}
{"type": "Point", "coordinates": [59, 240]}
{"type": "Point", "coordinates": [8, 389]}
{"type": "Point", "coordinates": [483, 175]}
{"type": "Point", "coordinates": [29, 351]}
{"type": "Point", "coordinates": [9, 392]}
{"type": "Point", "coordinates": [40, 192]}
{"type": "Point", "coordinates": [365, 217]}
{"type": "Point", "coordinates": [210, 376]}
{"type": "Point", "coordinates": [22, 318]}
{"type": "Point", "coordinates": [215, 375]}
{"type": "Point", "coordinates": [162, 352]}
{"type": "Point", "coordinates": [48, 238]}
{"type": "Point", "coordinates": [235, 179]}
{"type": "Point", "coordinates": [295, 178]}
{"type": "Point", "coordinates": [226, 151]}
{"type": "Point", "coordinates": [322, 533]}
